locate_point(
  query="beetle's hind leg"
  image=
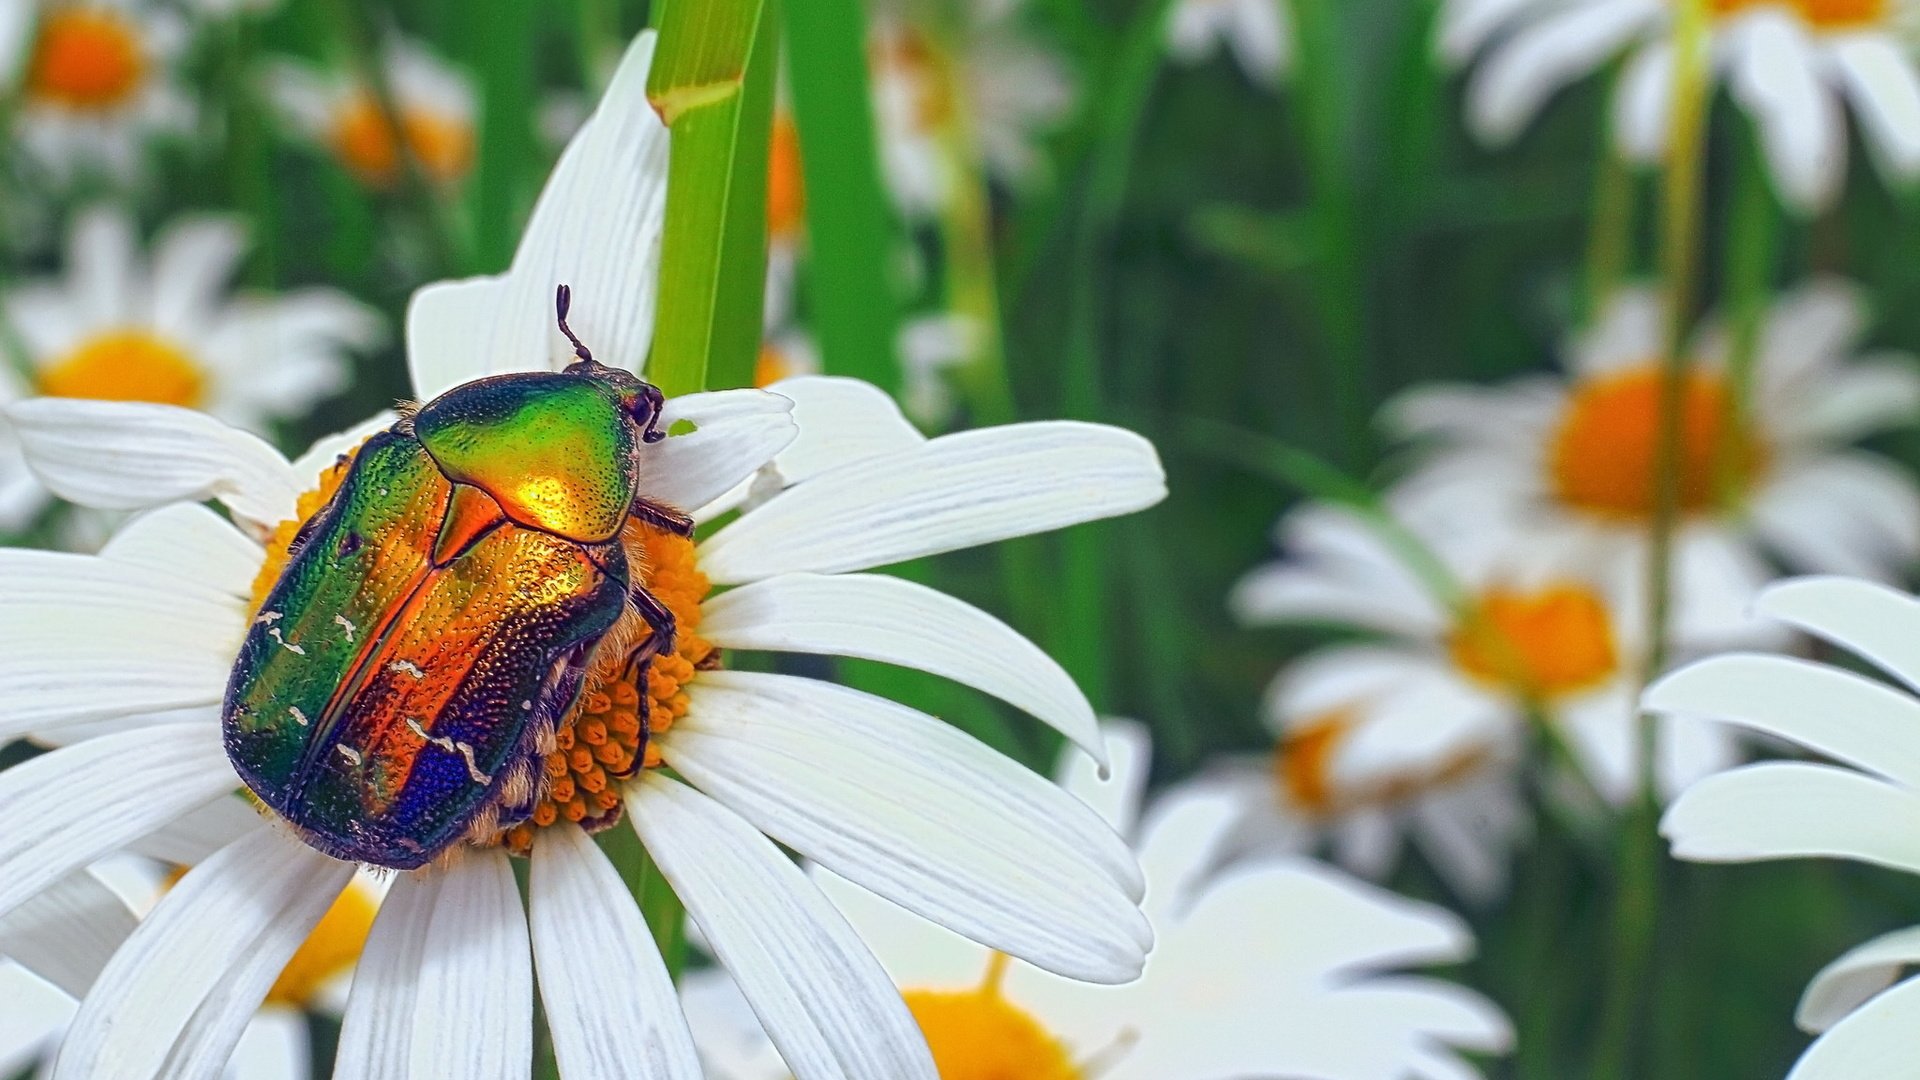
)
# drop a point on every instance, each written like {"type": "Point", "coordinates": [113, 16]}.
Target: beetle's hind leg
{"type": "Point", "coordinates": [664, 518]}
{"type": "Point", "coordinates": [660, 641]}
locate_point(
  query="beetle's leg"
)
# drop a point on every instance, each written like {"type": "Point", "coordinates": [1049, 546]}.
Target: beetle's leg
{"type": "Point", "coordinates": [664, 518]}
{"type": "Point", "coordinates": [661, 622]}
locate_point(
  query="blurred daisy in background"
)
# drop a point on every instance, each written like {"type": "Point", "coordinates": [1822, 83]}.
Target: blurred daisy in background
{"type": "Point", "coordinates": [95, 82]}
{"type": "Point", "coordinates": [967, 93]}
{"type": "Point", "coordinates": [785, 355]}
{"type": "Point", "coordinates": [1257, 33]}
{"type": "Point", "coordinates": [1560, 471]}
{"type": "Point", "coordinates": [1866, 808]}
{"type": "Point", "coordinates": [931, 347]}
{"type": "Point", "coordinates": [786, 217]}
{"type": "Point", "coordinates": [1789, 63]}
{"type": "Point", "coordinates": [165, 327]}
{"type": "Point", "coordinates": [1418, 732]}
{"type": "Point", "coordinates": [833, 482]}
{"type": "Point", "coordinates": [1232, 989]}
{"type": "Point", "coordinates": [339, 113]}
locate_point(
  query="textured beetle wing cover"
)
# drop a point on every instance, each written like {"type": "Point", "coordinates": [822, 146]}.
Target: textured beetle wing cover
{"type": "Point", "coordinates": [417, 718]}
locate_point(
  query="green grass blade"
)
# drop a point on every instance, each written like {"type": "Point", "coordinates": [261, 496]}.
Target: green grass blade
{"type": "Point", "coordinates": [850, 224]}
{"type": "Point", "coordinates": [713, 82]}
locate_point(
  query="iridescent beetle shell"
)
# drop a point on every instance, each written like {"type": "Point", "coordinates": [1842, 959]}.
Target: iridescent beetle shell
{"type": "Point", "coordinates": [436, 617]}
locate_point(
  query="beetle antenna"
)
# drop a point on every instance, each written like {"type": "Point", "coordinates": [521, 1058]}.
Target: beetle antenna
{"type": "Point", "coordinates": [562, 302]}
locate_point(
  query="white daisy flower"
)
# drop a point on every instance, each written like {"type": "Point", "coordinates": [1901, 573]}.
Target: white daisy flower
{"type": "Point", "coordinates": [946, 107]}
{"type": "Point", "coordinates": [1790, 63]}
{"type": "Point", "coordinates": [1258, 34]}
{"type": "Point", "coordinates": [122, 325]}
{"type": "Point", "coordinates": [335, 111]}
{"type": "Point", "coordinates": [891, 798]}
{"type": "Point", "coordinates": [1561, 471]}
{"type": "Point", "coordinates": [96, 80]}
{"type": "Point", "coordinates": [1418, 732]}
{"type": "Point", "coordinates": [1231, 990]}
{"type": "Point", "coordinates": [1868, 812]}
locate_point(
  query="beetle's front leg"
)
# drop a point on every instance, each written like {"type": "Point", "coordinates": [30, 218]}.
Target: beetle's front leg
{"type": "Point", "coordinates": [661, 623]}
{"type": "Point", "coordinates": [664, 518]}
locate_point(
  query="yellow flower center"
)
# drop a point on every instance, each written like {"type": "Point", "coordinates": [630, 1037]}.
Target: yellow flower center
{"type": "Point", "coordinates": [1303, 770]}
{"type": "Point", "coordinates": [786, 192]}
{"type": "Point", "coordinates": [979, 1035]}
{"type": "Point", "coordinates": [599, 739]}
{"type": "Point", "coordinates": [87, 59]}
{"type": "Point", "coordinates": [1821, 14]}
{"type": "Point", "coordinates": [126, 365]}
{"type": "Point", "coordinates": [1602, 456]}
{"type": "Point", "coordinates": [1555, 641]}
{"type": "Point", "coordinates": [365, 142]}
{"type": "Point", "coordinates": [334, 946]}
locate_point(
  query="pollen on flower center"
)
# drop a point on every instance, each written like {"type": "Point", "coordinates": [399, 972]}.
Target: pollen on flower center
{"type": "Point", "coordinates": [1554, 641]}
{"type": "Point", "coordinates": [88, 59]}
{"type": "Point", "coordinates": [597, 742]}
{"type": "Point", "coordinates": [978, 1034]}
{"type": "Point", "coordinates": [1821, 14]}
{"type": "Point", "coordinates": [126, 365]}
{"type": "Point", "coordinates": [1602, 456]}
{"type": "Point", "coordinates": [365, 142]}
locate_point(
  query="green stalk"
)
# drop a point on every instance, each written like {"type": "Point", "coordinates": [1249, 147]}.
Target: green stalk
{"type": "Point", "coordinates": [713, 81]}
{"type": "Point", "coordinates": [502, 188]}
{"type": "Point", "coordinates": [1636, 911]}
{"type": "Point", "coordinates": [1753, 241]}
{"type": "Point", "coordinates": [247, 158]}
{"type": "Point", "coordinates": [851, 236]}
{"type": "Point", "coordinates": [1084, 584]}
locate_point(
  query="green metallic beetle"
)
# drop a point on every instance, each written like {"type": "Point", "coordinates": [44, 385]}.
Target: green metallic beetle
{"type": "Point", "coordinates": [436, 618]}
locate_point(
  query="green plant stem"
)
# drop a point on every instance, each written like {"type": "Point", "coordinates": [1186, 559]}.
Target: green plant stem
{"type": "Point", "coordinates": [1636, 911]}
{"type": "Point", "coordinates": [501, 188]}
{"type": "Point", "coordinates": [1753, 240]}
{"type": "Point", "coordinates": [247, 160]}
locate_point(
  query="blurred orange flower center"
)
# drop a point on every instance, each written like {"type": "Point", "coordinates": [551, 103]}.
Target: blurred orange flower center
{"type": "Point", "coordinates": [1825, 14]}
{"type": "Point", "coordinates": [364, 140]}
{"type": "Point", "coordinates": [333, 947]}
{"type": "Point", "coordinates": [1603, 454]}
{"type": "Point", "coordinates": [1303, 768]}
{"type": "Point", "coordinates": [786, 192]}
{"type": "Point", "coordinates": [1556, 641]}
{"type": "Point", "coordinates": [86, 59]}
{"type": "Point", "coordinates": [126, 365]}
{"type": "Point", "coordinates": [979, 1035]}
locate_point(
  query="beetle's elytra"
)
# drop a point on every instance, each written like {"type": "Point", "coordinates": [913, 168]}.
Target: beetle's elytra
{"type": "Point", "coordinates": [436, 617]}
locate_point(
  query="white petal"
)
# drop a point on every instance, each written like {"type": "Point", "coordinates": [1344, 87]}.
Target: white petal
{"type": "Point", "coordinates": [1865, 397]}
{"type": "Point", "coordinates": [883, 618]}
{"type": "Point", "coordinates": [915, 952]}
{"type": "Point", "coordinates": [737, 432]}
{"type": "Point", "coordinates": [1643, 104]}
{"type": "Point", "coordinates": [823, 999]}
{"type": "Point", "coordinates": [841, 420]}
{"type": "Point", "coordinates": [601, 977]}
{"type": "Point", "coordinates": [118, 455]}
{"type": "Point", "coordinates": [1878, 623]}
{"type": "Point", "coordinates": [1116, 795]}
{"type": "Point", "coordinates": [191, 542]}
{"type": "Point", "coordinates": [954, 492]}
{"type": "Point", "coordinates": [42, 836]}
{"type": "Point", "coordinates": [190, 838]}
{"type": "Point", "coordinates": [1792, 809]}
{"type": "Point", "coordinates": [1844, 513]}
{"type": "Point", "coordinates": [101, 252]}
{"type": "Point", "coordinates": [376, 1034]}
{"type": "Point", "coordinates": [1830, 711]}
{"type": "Point", "coordinates": [1520, 74]}
{"type": "Point", "coordinates": [85, 638]}
{"type": "Point", "coordinates": [473, 1004]}
{"type": "Point", "coordinates": [919, 812]}
{"type": "Point", "coordinates": [66, 934]}
{"type": "Point", "coordinates": [1802, 129]}
{"type": "Point", "coordinates": [1181, 841]}
{"type": "Point", "coordinates": [328, 449]}
{"type": "Point", "coordinates": [1880, 79]}
{"type": "Point", "coordinates": [730, 1038]}
{"type": "Point", "coordinates": [175, 998]}
{"type": "Point", "coordinates": [1849, 981]}
{"type": "Point", "coordinates": [1466, 24]}
{"type": "Point", "coordinates": [193, 260]}
{"type": "Point", "coordinates": [1877, 1041]}
{"type": "Point", "coordinates": [596, 227]}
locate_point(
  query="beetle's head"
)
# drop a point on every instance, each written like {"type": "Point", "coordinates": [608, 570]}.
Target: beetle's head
{"type": "Point", "coordinates": [640, 400]}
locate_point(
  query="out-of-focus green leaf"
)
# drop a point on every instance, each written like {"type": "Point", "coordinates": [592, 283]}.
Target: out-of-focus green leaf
{"type": "Point", "coordinates": [496, 35]}
{"type": "Point", "coordinates": [850, 227]}
{"type": "Point", "coordinates": [1278, 242]}
{"type": "Point", "coordinates": [713, 81]}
